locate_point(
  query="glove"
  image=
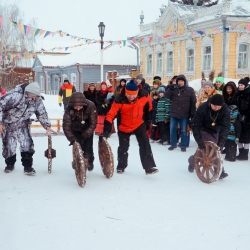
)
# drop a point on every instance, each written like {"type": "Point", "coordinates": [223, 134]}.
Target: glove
{"type": "Point", "coordinates": [201, 144]}
{"type": "Point", "coordinates": [236, 140]}
{"type": "Point", "coordinates": [71, 143]}
{"type": "Point", "coordinates": [106, 101]}
{"type": "Point", "coordinates": [191, 116]}
{"type": "Point", "coordinates": [60, 104]}
{"type": "Point", "coordinates": [166, 120]}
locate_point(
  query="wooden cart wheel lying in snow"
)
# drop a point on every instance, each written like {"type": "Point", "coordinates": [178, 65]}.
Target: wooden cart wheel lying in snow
{"type": "Point", "coordinates": [208, 163]}
{"type": "Point", "coordinates": [79, 164]}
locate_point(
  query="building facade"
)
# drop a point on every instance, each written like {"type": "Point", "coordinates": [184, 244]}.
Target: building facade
{"type": "Point", "coordinates": [189, 40]}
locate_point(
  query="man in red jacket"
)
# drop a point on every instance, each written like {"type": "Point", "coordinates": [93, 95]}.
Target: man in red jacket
{"type": "Point", "coordinates": [133, 112]}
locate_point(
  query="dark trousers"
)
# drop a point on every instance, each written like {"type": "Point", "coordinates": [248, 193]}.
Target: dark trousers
{"type": "Point", "coordinates": [164, 131]}
{"type": "Point", "coordinates": [87, 147]}
{"type": "Point", "coordinates": [231, 150]}
{"type": "Point", "coordinates": [145, 152]}
{"type": "Point", "coordinates": [65, 106]}
{"type": "Point", "coordinates": [153, 132]}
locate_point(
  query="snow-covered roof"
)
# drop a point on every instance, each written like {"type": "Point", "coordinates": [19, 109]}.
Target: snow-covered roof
{"type": "Point", "coordinates": [184, 9]}
{"type": "Point", "coordinates": [25, 62]}
{"type": "Point", "coordinates": [90, 55]}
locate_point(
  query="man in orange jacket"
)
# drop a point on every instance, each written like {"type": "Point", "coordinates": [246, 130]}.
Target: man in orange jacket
{"type": "Point", "coordinates": [133, 112]}
{"type": "Point", "coordinates": [65, 92]}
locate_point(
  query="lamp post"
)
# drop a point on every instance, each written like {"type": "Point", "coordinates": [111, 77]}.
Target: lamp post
{"type": "Point", "coordinates": [101, 27]}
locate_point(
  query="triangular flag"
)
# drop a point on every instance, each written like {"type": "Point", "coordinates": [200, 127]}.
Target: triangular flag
{"type": "Point", "coordinates": [36, 32]}
{"type": "Point", "coordinates": [166, 36]}
{"type": "Point", "coordinates": [28, 29]}
{"type": "Point", "coordinates": [47, 33]}
{"type": "Point", "coordinates": [1, 21]}
{"type": "Point", "coordinates": [66, 48]}
{"type": "Point", "coordinates": [150, 39]}
{"type": "Point", "coordinates": [248, 27]}
{"type": "Point", "coordinates": [24, 28]}
{"type": "Point", "coordinates": [141, 39]}
{"type": "Point", "coordinates": [41, 32]}
{"type": "Point", "coordinates": [124, 42]}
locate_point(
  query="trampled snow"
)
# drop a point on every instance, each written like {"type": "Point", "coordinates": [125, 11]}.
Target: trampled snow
{"type": "Point", "coordinates": [172, 209]}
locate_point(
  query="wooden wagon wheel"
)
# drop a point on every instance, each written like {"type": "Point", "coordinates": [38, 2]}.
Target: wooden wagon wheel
{"type": "Point", "coordinates": [78, 164]}
{"type": "Point", "coordinates": [106, 158]}
{"type": "Point", "coordinates": [208, 163]}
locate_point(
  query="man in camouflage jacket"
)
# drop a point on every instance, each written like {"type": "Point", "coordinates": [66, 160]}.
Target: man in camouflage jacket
{"type": "Point", "coordinates": [16, 108]}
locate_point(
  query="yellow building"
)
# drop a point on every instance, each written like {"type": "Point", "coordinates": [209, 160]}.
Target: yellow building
{"type": "Point", "coordinates": [189, 39]}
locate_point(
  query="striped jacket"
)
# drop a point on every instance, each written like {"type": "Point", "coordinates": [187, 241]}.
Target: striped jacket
{"type": "Point", "coordinates": [163, 109]}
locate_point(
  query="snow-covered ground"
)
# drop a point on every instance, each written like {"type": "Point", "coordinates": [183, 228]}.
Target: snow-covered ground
{"type": "Point", "coordinates": [172, 209]}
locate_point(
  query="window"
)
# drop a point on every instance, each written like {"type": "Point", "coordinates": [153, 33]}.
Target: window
{"type": "Point", "coordinates": [42, 82]}
{"type": "Point", "coordinates": [170, 62]}
{"type": "Point", "coordinates": [159, 63]}
{"type": "Point", "coordinates": [149, 64]}
{"type": "Point", "coordinates": [190, 60]}
{"type": "Point", "coordinates": [243, 56]}
{"type": "Point", "coordinates": [207, 58]}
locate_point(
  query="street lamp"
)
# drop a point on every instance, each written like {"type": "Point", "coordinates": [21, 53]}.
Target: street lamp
{"type": "Point", "coordinates": [101, 27]}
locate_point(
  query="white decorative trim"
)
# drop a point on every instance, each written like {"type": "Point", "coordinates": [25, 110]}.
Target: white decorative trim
{"type": "Point", "coordinates": [149, 51]}
{"type": "Point", "coordinates": [190, 44]}
{"type": "Point", "coordinates": [158, 48]}
{"type": "Point", "coordinates": [169, 47]}
{"type": "Point", "coordinates": [207, 41]}
{"type": "Point", "coordinates": [243, 39]}
{"type": "Point", "coordinates": [179, 56]}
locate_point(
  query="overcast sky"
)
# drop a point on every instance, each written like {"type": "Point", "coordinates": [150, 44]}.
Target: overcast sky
{"type": "Point", "coordinates": [82, 17]}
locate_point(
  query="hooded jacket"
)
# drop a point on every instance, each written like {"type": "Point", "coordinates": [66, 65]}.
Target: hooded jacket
{"type": "Point", "coordinates": [183, 99]}
{"type": "Point", "coordinates": [83, 121]}
{"type": "Point", "coordinates": [16, 106]}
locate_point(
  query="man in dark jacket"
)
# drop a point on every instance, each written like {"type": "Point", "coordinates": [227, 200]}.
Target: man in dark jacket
{"type": "Point", "coordinates": [211, 123]}
{"type": "Point", "coordinates": [135, 115]}
{"type": "Point", "coordinates": [141, 82]}
{"type": "Point", "coordinates": [79, 122]}
{"type": "Point", "coordinates": [182, 109]}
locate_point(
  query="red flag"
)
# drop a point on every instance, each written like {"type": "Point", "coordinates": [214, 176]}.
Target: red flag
{"type": "Point", "coordinates": [150, 39]}
{"type": "Point", "coordinates": [141, 39]}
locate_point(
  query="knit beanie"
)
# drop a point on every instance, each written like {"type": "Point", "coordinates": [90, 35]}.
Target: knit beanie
{"type": "Point", "coordinates": [33, 88]}
{"type": "Point", "coordinates": [208, 83]}
{"type": "Point", "coordinates": [244, 81]}
{"type": "Point", "coordinates": [217, 100]}
{"type": "Point", "coordinates": [139, 76]}
{"type": "Point", "coordinates": [66, 80]}
{"type": "Point", "coordinates": [220, 79]}
{"type": "Point", "coordinates": [156, 82]}
{"type": "Point", "coordinates": [131, 88]}
{"type": "Point", "coordinates": [161, 90]}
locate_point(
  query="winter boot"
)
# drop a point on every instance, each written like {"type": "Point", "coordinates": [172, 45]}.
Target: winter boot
{"type": "Point", "coordinates": [240, 155]}
{"type": "Point", "coordinates": [10, 161]}
{"type": "Point", "coordinates": [243, 156]}
{"type": "Point", "coordinates": [29, 170]}
{"type": "Point", "coordinates": [120, 170]}
{"type": "Point", "coordinates": [90, 167]}
{"type": "Point", "coordinates": [190, 168]}
{"type": "Point", "coordinates": [27, 162]}
{"type": "Point", "coordinates": [151, 171]}
{"type": "Point", "coordinates": [223, 174]}
{"type": "Point", "coordinates": [171, 148]}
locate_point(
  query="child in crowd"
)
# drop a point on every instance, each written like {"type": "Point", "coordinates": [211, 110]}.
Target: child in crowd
{"type": "Point", "coordinates": [162, 117]}
{"type": "Point", "coordinates": [154, 96]}
{"type": "Point", "coordinates": [156, 85]}
{"type": "Point", "coordinates": [234, 134]}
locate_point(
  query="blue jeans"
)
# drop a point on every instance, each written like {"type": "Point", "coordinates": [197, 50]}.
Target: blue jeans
{"type": "Point", "coordinates": [173, 128]}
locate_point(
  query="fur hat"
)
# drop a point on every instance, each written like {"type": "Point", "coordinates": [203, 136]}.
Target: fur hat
{"type": "Point", "coordinates": [139, 76]}
{"type": "Point", "coordinates": [244, 81]}
{"type": "Point", "coordinates": [92, 84]}
{"type": "Point", "coordinates": [66, 80]}
{"type": "Point", "coordinates": [33, 88]}
{"type": "Point", "coordinates": [217, 100]}
{"type": "Point", "coordinates": [208, 83]}
{"type": "Point", "coordinates": [161, 90]}
{"type": "Point", "coordinates": [220, 79]}
{"type": "Point", "coordinates": [131, 88]}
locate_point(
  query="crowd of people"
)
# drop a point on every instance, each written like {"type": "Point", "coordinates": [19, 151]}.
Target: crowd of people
{"type": "Point", "coordinates": [163, 114]}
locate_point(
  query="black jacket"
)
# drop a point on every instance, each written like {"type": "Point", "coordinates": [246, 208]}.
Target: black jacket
{"type": "Point", "coordinates": [202, 121]}
{"type": "Point", "coordinates": [183, 100]}
{"type": "Point", "coordinates": [102, 104]}
{"type": "Point", "coordinates": [145, 85]}
{"type": "Point", "coordinates": [90, 95]}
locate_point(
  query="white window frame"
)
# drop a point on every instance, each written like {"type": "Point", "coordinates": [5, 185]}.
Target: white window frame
{"type": "Point", "coordinates": [207, 41]}
{"type": "Point", "coordinates": [243, 54]}
{"type": "Point", "coordinates": [207, 59]}
{"type": "Point", "coordinates": [171, 64]}
{"type": "Point", "coordinates": [190, 60]}
{"type": "Point", "coordinates": [169, 48]}
{"type": "Point", "coordinates": [41, 79]}
{"type": "Point", "coordinates": [149, 64]}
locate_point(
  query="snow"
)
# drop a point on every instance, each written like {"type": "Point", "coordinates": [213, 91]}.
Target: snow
{"type": "Point", "coordinates": [90, 54]}
{"type": "Point", "coordinates": [172, 209]}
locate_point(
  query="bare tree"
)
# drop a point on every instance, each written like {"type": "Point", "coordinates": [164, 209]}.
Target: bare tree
{"type": "Point", "coordinates": [206, 3]}
{"type": "Point", "coordinates": [12, 40]}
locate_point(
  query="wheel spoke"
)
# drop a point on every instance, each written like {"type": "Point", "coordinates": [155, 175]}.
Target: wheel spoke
{"type": "Point", "coordinates": [203, 171]}
{"type": "Point", "coordinates": [207, 173]}
{"type": "Point", "coordinates": [212, 171]}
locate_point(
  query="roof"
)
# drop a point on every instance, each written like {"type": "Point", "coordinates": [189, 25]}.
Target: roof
{"type": "Point", "coordinates": [184, 9]}
{"type": "Point", "coordinates": [90, 55]}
